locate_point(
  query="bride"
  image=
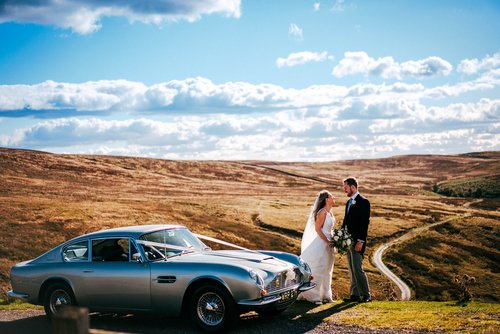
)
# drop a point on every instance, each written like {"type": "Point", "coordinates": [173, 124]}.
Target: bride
{"type": "Point", "coordinates": [316, 249]}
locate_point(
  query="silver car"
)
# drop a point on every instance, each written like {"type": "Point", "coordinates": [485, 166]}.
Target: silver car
{"type": "Point", "coordinates": [164, 269]}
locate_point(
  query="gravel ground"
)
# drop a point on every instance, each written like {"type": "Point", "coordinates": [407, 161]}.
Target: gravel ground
{"type": "Point", "coordinates": [34, 321]}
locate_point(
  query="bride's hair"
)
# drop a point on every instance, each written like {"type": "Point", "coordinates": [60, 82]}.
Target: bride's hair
{"type": "Point", "coordinates": [309, 231]}
{"type": "Point", "coordinates": [320, 202]}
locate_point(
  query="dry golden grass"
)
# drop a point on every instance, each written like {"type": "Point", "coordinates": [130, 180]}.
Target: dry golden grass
{"type": "Point", "coordinates": [465, 246]}
{"type": "Point", "coordinates": [48, 198]}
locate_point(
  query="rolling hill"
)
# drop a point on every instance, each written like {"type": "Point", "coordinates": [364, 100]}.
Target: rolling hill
{"type": "Point", "coordinates": [48, 198]}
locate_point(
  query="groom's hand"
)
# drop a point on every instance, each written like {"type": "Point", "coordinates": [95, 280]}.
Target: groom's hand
{"type": "Point", "coordinates": [358, 247]}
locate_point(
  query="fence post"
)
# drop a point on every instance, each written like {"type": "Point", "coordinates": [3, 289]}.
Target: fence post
{"type": "Point", "coordinates": [71, 320]}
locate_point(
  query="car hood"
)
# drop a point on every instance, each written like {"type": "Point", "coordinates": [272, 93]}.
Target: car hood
{"type": "Point", "coordinates": [251, 259]}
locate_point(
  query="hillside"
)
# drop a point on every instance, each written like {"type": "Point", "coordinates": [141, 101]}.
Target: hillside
{"type": "Point", "coordinates": [478, 187]}
{"type": "Point", "coordinates": [48, 198]}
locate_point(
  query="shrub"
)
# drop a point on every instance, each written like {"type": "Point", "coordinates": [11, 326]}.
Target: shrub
{"type": "Point", "coordinates": [389, 290]}
{"type": "Point", "coordinates": [464, 282]}
{"type": "Point", "coordinates": [476, 187]}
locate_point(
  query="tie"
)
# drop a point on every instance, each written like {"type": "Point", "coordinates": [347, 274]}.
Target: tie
{"type": "Point", "coordinates": [349, 202]}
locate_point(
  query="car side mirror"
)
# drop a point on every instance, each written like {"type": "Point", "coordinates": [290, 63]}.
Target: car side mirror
{"type": "Point", "coordinates": [137, 257]}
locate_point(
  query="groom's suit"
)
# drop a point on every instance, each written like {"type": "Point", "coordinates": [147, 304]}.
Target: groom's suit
{"type": "Point", "coordinates": [357, 219]}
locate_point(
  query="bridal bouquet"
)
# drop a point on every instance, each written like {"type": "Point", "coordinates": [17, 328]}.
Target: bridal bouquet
{"type": "Point", "coordinates": [341, 239]}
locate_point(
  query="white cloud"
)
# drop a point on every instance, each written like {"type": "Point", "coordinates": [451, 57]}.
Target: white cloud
{"type": "Point", "coordinates": [295, 31]}
{"type": "Point", "coordinates": [484, 110]}
{"type": "Point", "coordinates": [71, 131]}
{"type": "Point", "coordinates": [91, 96]}
{"type": "Point", "coordinates": [201, 96]}
{"type": "Point", "coordinates": [427, 67]}
{"type": "Point", "coordinates": [378, 130]}
{"type": "Point", "coordinates": [83, 16]}
{"type": "Point", "coordinates": [248, 121]}
{"type": "Point", "coordinates": [300, 58]}
{"type": "Point", "coordinates": [192, 95]}
{"type": "Point", "coordinates": [421, 119]}
{"type": "Point", "coordinates": [448, 141]}
{"type": "Point", "coordinates": [472, 66]}
{"type": "Point", "coordinates": [196, 96]}
{"type": "Point", "coordinates": [338, 6]}
{"type": "Point", "coordinates": [361, 63]}
{"type": "Point", "coordinates": [488, 81]}
{"type": "Point", "coordinates": [316, 6]}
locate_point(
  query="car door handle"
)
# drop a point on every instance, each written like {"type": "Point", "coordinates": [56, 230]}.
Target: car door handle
{"type": "Point", "coordinates": [88, 271]}
{"type": "Point", "coordinates": [166, 279]}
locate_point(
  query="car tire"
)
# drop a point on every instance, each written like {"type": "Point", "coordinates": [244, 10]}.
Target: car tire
{"type": "Point", "coordinates": [57, 296]}
{"type": "Point", "coordinates": [212, 308]}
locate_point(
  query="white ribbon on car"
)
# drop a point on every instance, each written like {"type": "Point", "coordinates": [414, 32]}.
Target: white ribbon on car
{"type": "Point", "coordinates": [181, 248]}
{"type": "Point", "coordinates": [160, 245]}
{"type": "Point", "coordinates": [204, 237]}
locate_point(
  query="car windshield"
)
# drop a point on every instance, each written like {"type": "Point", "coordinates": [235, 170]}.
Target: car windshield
{"type": "Point", "coordinates": [162, 244]}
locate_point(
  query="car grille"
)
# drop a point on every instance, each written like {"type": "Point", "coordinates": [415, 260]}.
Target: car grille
{"type": "Point", "coordinates": [284, 280]}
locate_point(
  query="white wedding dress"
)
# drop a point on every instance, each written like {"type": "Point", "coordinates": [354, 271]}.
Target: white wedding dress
{"type": "Point", "coordinates": [320, 257]}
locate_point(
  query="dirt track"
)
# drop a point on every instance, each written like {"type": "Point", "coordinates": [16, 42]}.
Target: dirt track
{"type": "Point", "coordinates": [377, 256]}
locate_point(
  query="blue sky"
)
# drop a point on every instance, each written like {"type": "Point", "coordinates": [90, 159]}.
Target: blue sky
{"type": "Point", "coordinates": [273, 80]}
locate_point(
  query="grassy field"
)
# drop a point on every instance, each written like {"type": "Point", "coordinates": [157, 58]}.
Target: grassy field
{"type": "Point", "coordinates": [46, 199]}
{"type": "Point", "coordinates": [420, 315]}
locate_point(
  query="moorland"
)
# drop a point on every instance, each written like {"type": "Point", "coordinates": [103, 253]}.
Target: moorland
{"type": "Point", "coordinates": [47, 198]}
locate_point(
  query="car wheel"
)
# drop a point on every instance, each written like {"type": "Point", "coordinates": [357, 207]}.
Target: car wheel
{"type": "Point", "coordinates": [57, 296]}
{"type": "Point", "coordinates": [212, 308]}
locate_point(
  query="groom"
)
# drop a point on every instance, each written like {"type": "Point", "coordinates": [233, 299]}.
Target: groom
{"type": "Point", "coordinates": [356, 219]}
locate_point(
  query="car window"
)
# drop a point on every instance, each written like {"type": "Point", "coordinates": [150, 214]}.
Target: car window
{"type": "Point", "coordinates": [176, 237]}
{"type": "Point", "coordinates": [168, 242]}
{"type": "Point", "coordinates": [112, 249]}
{"type": "Point", "coordinates": [76, 252]}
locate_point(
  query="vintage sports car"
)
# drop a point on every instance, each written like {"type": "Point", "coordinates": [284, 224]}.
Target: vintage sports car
{"type": "Point", "coordinates": [164, 269]}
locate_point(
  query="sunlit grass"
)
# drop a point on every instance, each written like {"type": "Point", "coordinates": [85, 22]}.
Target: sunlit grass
{"type": "Point", "coordinates": [15, 305]}
{"type": "Point", "coordinates": [420, 315]}
{"type": "Point", "coordinates": [430, 261]}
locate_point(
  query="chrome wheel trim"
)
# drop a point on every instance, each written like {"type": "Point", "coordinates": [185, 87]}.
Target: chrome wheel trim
{"type": "Point", "coordinates": [59, 298]}
{"type": "Point", "coordinates": [210, 309]}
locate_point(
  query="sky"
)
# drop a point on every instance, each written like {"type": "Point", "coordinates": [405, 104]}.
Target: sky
{"type": "Point", "coordinates": [282, 80]}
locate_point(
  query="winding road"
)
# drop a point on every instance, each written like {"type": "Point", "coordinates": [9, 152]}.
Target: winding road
{"type": "Point", "coordinates": [377, 256]}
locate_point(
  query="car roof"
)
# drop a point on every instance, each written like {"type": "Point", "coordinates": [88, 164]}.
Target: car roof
{"type": "Point", "coordinates": [128, 231]}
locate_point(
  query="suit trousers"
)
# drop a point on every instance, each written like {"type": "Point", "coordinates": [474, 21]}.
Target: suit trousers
{"type": "Point", "coordinates": [359, 281]}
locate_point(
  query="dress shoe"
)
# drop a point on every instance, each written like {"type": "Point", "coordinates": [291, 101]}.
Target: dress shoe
{"type": "Point", "coordinates": [366, 299]}
{"type": "Point", "coordinates": [351, 299]}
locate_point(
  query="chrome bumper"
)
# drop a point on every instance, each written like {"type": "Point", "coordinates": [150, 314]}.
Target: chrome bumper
{"type": "Point", "coordinates": [22, 296]}
{"type": "Point", "coordinates": [307, 286]}
{"type": "Point", "coordinates": [275, 298]}
{"type": "Point", "coordinates": [260, 302]}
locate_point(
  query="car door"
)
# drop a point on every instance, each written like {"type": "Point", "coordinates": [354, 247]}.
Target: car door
{"type": "Point", "coordinates": [113, 280]}
{"type": "Point", "coordinates": [169, 281]}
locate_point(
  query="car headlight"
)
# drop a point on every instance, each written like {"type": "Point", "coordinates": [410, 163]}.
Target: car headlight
{"type": "Point", "coordinates": [304, 265]}
{"type": "Point", "coordinates": [256, 277]}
